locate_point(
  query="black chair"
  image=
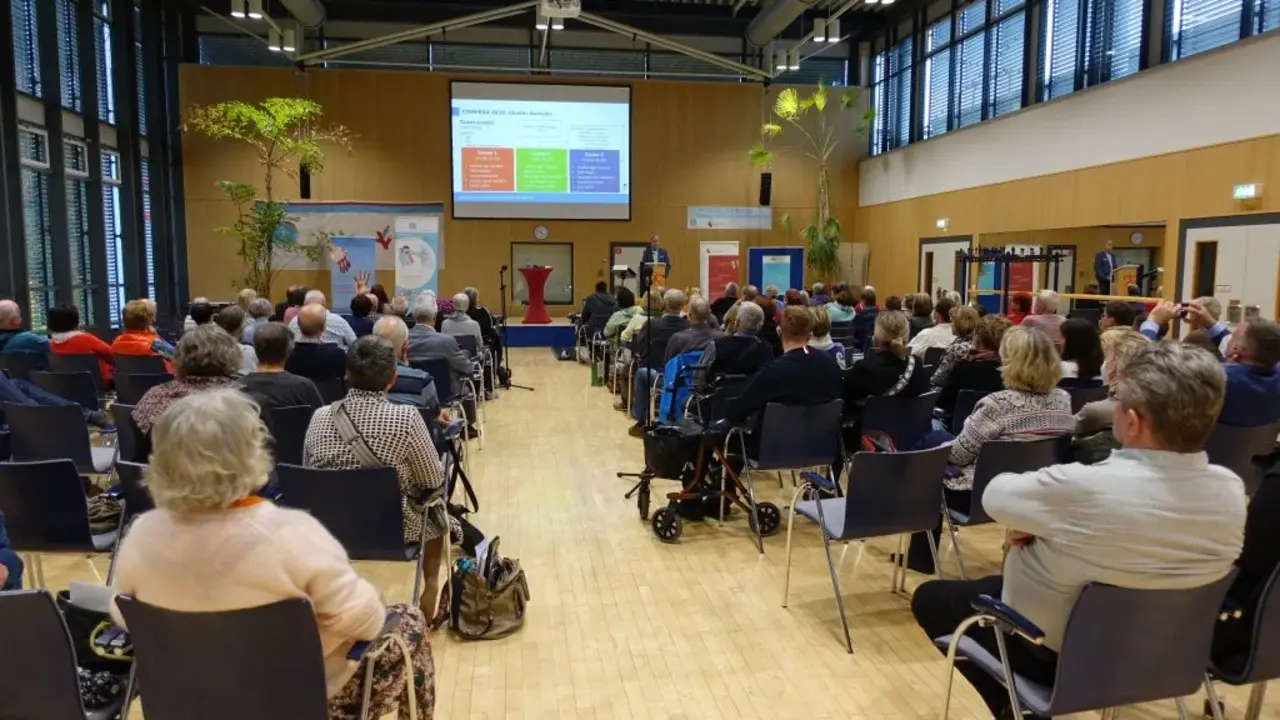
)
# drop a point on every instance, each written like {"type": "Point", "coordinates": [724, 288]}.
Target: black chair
{"type": "Point", "coordinates": [1263, 662]}
{"type": "Point", "coordinates": [46, 511]}
{"type": "Point", "coordinates": [6, 446]}
{"type": "Point", "coordinates": [17, 365]}
{"type": "Point", "coordinates": [256, 663]}
{"type": "Point", "coordinates": [1239, 449]}
{"type": "Point", "coordinates": [1081, 396]}
{"type": "Point", "coordinates": [130, 387]}
{"type": "Point", "coordinates": [906, 420]}
{"type": "Point", "coordinates": [361, 507]}
{"type": "Point", "coordinates": [136, 496]}
{"type": "Point", "coordinates": [888, 494]}
{"type": "Point", "coordinates": [140, 364]}
{"type": "Point", "coordinates": [332, 390]}
{"type": "Point", "coordinates": [78, 387]}
{"type": "Point", "coordinates": [842, 332]}
{"type": "Point", "coordinates": [43, 432]}
{"type": "Point", "coordinates": [933, 356]}
{"type": "Point", "coordinates": [966, 401]}
{"type": "Point", "coordinates": [126, 434]}
{"type": "Point", "coordinates": [41, 682]}
{"type": "Point", "coordinates": [442, 375]}
{"type": "Point", "coordinates": [289, 431]}
{"type": "Point", "coordinates": [997, 456]}
{"type": "Point", "coordinates": [1091, 315]}
{"type": "Point", "coordinates": [79, 363]}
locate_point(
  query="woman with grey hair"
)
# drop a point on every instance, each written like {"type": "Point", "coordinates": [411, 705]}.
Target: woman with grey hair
{"type": "Point", "coordinates": [210, 460]}
{"type": "Point", "coordinates": [740, 353]}
{"type": "Point", "coordinates": [260, 311]}
{"type": "Point", "coordinates": [207, 358]}
{"type": "Point", "coordinates": [392, 435]}
{"type": "Point", "coordinates": [459, 323]}
{"type": "Point", "coordinates": [479, 313]}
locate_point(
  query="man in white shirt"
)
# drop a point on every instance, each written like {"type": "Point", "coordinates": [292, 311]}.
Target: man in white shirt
{"type": "Point", "coordinates": [938, 336]}
{"type": "Point", "coordinates": [336, 330]}
{"type": "Point", "coordinates": [1045, 318]}
{"type": "Point", "coordinates": [1155, 515]}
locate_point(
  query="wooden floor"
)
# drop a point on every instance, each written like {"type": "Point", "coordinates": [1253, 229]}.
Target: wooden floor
{"type": "Point", "coordinates": [624, 626]}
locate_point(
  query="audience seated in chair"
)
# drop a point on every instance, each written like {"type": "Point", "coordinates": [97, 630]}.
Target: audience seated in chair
{"type": "Point", "coordinates": [889, 370]}
{"type": "Point", "coordinates": [213, 545]}
{"type": "Point", "coordinates": [412, 386]}
{"type": "Point", "coordinates": [1201, 339]}
{"type": "Point", "coordinates": [313, 357]}
{"type": "Point", "coordinates": [397, 436]}
{"type": "Point", "coordinates": [920, 313]}
{"type": "Point", "coordinates": [207, 358]}
{"type": "Point", "coordinates": [964, 320]}
{"type": "Point", "coordinates": [200, 312]}
{"type": "Point", "coordinates": [821, 338]}
{"type": "Point", "coordinates": [938, 335]}
{"type": "Point", "coordinates": [139, 335]}
{"type": "Point", "coordinates": [801, 376]}
{"type": "Point", "coordinates": [479, 313]}
{"type": "Point", "coordinates": [294, 296]}
{"type": "Point", "coordinates": [1117, 314]}
{"type": "Point", "coordinates": [864, 323]}
{"type": "Point", "coordinates": [979, 369]}
{"type": "Point", "coordinates": [16, 341]}
{"type": "Point", "coordinates": [426, 343]}
{"type": "Point", "coordinates": [599, 303]}
{"type": "Point", "coordinates": [722, 304]}
{"type": "Point", "coordinates": [1081, 345]}
{"type": "Point", "coordinates": [232, 319]}
{"type": "Point", "coordinates": [270, 385]}
{"type": "Point", "coordinates": [748, 295]}
{"type": "Point", "coordinates": [336, 330]}
{"type": "Point", "coordinates": [23, 392]}
{"type": "Point", "coordinates": [1155, 515]}
{"type": "Point", "coordinates": [650, 352]}
{"type": "Point", "coordinates": [1092, 437]}
{"type": "Point", "coordinates": [66, 338]}
{"type": "Point", "coordinates": [650, 307]}
{"type": "Point", "coordinates": [698, 335]}
{"type": "Point", "coordinates": [458, 323]}
{"type": "Point", "coordinates": [1019, 307]}
{"type": "Point", "coordinates": [740, 353]}
{"type": "Point", "coordinates": [770, 331]}
{"type": "Point", "coordinates": [362, 315]}
{"type": "Point", "coordinates": [1257, 562]}
{"type": "Point", "coordinates": [259, 311]}
{"type": "Point", "coordinates": [1044, 316]}
{"type": "Point", "coordinates": [618, 321]}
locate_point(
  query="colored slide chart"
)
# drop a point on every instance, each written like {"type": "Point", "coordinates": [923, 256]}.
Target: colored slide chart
{"type": "Point", "coordinates": [540, 170]}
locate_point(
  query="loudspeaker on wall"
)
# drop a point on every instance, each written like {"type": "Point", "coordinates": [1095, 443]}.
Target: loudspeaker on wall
{"type": "Point", "coordinates": [766, 187]}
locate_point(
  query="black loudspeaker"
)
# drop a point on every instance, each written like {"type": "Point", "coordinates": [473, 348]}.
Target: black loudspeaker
{"type": "Point", "coordinates": [766, 187]}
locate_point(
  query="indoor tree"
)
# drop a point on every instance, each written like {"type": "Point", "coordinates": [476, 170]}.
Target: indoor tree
{"type": "Point", "coordinates": [818, 125]}
{"type": "Point", "coordinates": [287, 135]}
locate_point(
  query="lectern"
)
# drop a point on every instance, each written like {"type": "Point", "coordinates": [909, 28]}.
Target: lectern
{"type": "Point", "coordinates": [535, 278]}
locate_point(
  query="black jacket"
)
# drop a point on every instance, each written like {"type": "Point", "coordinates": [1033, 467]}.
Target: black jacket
{"type": "Point", "coordinates": [800, 377]}
{"type": "Point", "coordinates": [769, 334]}
{"type": "Point", "coordinates": [650, 345]}
{"type": "Point", "coordinates": [876, 374]}
{"type": "Point", "coordinates": [983, 375]}
{"type": "Point", "coordinates": [317, 361]}
{"type": "Point", "coordinates": [1258, 559]}
{"type": "Point", "coordinates": [721, 306]}
{"type": "Point", "coordinates": [739, 355]}
{"type": "Point", "coordinates": [920, 322]}
{"type": "Point", "coordinates": [487, 331]}
{"type": "Point", "coordinates": [598, 304]}
{"type": "Point", "coordinates": [864, 327]}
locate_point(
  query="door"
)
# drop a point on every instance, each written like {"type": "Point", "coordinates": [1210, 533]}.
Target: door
{"type": "Point", "coordinates": [939, 266]}
{"type": "Point", "coordinates": [1064, 280]}
{"type": "Point", "coordinates": [628, 254]}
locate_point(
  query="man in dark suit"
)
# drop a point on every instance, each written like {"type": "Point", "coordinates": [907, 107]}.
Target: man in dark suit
{"type": "Point", "coordinates": [312, 357]}
{"type": "Point", "coordinates": [652, 255]}
{"type": "Point", "coordinates": [1105, 263]}
{"type": "Point", "coordinates": [802, 376]}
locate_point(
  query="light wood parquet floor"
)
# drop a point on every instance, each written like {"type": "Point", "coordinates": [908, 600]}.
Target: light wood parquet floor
{"type": "Point", "coordinates": [624, 626]}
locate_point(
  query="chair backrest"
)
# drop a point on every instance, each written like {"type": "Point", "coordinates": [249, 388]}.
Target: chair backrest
{"type": "Point", "coordinates": [1002, 456]}
{"type": "Point", "coordinates": [905, 419]}
{"type": "Point", "coordinates": [595, 324]}
{"type": "Point", "coordinates": [893, 493]}
{"type": "Point", "coordinates": [140, 364]}
{"type": "Point", "coordinates": [251, 664]}
{"type": "Point", "coordinates": [1081, 396]}
{"type": "Point", "coordinates": [797, 436]}
{"type": "Point", "coordinates": [137, 499]}
{"type": "Point", "coordinates": [130, 387]}
{"type": "Point", "coordinates": [78, 387]}
{"type": "Point", "coordinates": [724, 390]}
{"type": "Point", "coordinates": [966, 401]}
{"type": "Point", "coordinates": [1120, 647]}
{"type": "Point", "coordinates": [332, 390]}
{"type": "Point", "coordinates": [468, 344]}
{"type": "Point", "coordinates": [1235, 447]}
{"type": "Point", "coordinates": [933, 356]}
{"type": "Point", "coordinates": [1092, 315]}
{"type": "Point", "coordinates": [76, 363]}
{"type": "Point", "coordinates": [842, 332]}
{"type": "Point", "coordinates": [50, 432]}
{"type": "Point", "coordinates": [126, 438]}
{"type": "Point", "coordinates": [17, 365]}
{"type": "Point", "coordinates": [441, 375]}
{"type": "Point", "coordinates": [41, 683]}
{"type": "Point", "coordinates": [289, 430]}
{"type": "Point", "coordinates": [1264, 649]}
{"type": "Point", "coordinates": [45, 507]}
{"type": "Point", "coordinates": [360, 506]}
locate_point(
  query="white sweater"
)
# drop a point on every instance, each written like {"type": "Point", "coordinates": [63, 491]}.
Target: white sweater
{"type": "Point", "coordinates": [1142, 519]}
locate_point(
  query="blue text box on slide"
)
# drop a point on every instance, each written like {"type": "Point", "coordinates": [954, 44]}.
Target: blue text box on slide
{"type": "Point", "coordinates": [350, 257]}
{"type": "Point", "coordinates": [417, 247]}
{"type": "Point", "coordinates": [775, 270]}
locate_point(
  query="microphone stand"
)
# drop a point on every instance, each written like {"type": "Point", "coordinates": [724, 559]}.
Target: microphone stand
{"type": "Point", "coordinates": [506, 320]}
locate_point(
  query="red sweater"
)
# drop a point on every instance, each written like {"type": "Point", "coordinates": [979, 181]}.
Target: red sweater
{"type": "Point", "coordinates": [83, 343]}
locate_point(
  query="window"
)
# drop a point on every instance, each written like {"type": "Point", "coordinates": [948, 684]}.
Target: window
{"type": "Point", "coordinates": [242, 50]}
{"type": "Point", "coordinates": [1058, 49]}
{"type": "Point", "coordinates": [828, 71]}
{"type": "Point", "coordinates": [937, 77]}
{"type": "Point", "coordinates": [1004, 74]}
{"type": "Point", "coordinates": [1110, 47]}
{"type": "Point", "coordinates": [245, 50]}
{"type": "Point", "coordinates": [480, 58]}
{"type": "Point", "coordinates": [675, 65]}
{"type": "Point", "coordinates": [103, 68]}
{"type": "Point", "coordinates": [595, 62]}
{"type": "Point", "coordinates": [68, 54]}
{"type": "Point", "coordinates": [891, 98]}
{"type": "Point", "coordinates": [33, 153]}
{"type": "Point", "coordinates": [1193, 26]}
{"type": "Point", "coordinates": [969, 55]}
{"type": "Point", "coordinates": [146, 227]}
{"type": "Point", "coordinates": [78, 240]}
{"type": "Point", "coordinates": [26, 47]}
{"type": "Point", "coordinates": [112, 236]}
{"type": "Point", "coordinates": [1266, 16]}
{"type": "Point", "coordinates": [142, 84]}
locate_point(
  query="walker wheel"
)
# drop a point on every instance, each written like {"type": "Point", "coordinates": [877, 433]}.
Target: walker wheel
{"type": "Point", "coordinates": [667, 524]}
{"type": "Point", "coordinates": [770, 518]}
{"type": "Point", "coordinates": [642, 501]}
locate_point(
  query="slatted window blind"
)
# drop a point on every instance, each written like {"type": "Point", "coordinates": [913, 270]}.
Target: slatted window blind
{"type": "Point", "coordinates": [147, 236]}
{"type": "Point", "coordinates": [142, 85]}
{"type": "Point", "coordinates": [33, 156]}
{"type": "Point", "coordinates": [968, 66]}
{"type": "Point", "coordinates": [1194, 26]}
{"type": "Point", "coordinates": [68, 54]}
{"type": "Point", "coordinates": [937, 77]}
{"type": "Point", "coordinates": [891, 98]}
{"type": "Point", "coordinates": [26, 47]}
{"type": "Point", "coordinates": [1008, 42]}
{"type": "Point", "coordinates": [112, 236]}
{"type": "Point", "coordinates": [103, 68]}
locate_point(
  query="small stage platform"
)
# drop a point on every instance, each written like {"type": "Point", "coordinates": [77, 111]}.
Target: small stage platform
{"type": "Point", "coordinates": [558, 334]}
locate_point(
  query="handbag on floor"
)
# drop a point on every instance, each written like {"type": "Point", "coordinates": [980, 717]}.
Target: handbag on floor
{"type": "Point", "coordinates": [488, 595]}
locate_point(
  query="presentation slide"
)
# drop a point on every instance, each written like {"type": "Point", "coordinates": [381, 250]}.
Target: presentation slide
{"type": "Point", "coordinates": [541, 152]}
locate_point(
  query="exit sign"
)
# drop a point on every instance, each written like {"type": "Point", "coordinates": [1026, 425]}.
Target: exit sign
{"type": "Point", "coordinates": [1246, 192]}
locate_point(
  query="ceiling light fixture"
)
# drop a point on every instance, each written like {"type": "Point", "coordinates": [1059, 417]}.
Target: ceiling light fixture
{"type": "Point", "coordinates": [557, 23]}
{"type": "Point", "coordinates": [237, 9]}
{"type": "Point", "coordinates": [255, 9]}
{"type": "Point", "coordinates": [819, 30]}
{"type": "Point", "coordinates": [273, 41]}
{"type": "Point", "coordinates": [833, 29]}
{"type": "Point", "coordinates": [793, 59]}
{"type": "Point", "coordinates": [539, 20]}
{"type": "Point", "coordinates": [288, 45]}
{"type": "Point", "coordinates": [780, 60]}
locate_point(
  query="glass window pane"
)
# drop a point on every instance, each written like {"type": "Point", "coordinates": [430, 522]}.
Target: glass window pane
{"type": "Point", "coordinates": [595, 62]}
{"type": "Point", "coordinates": [244, 50]}
{"type": "Point", "coordinates": [39, 244]}
{"type": "Point", "coordinates": [675, 65]}
{"type": "Point", "coordinates": [79, 246]}
{"type": "Point", "coordinates": [937, 86]}
{"type": "Point", "coordinates": [26, 47]}
{"type": "Point", "coordinates": [969, 72]}
{"type": "Point", "coordinates": [115, 269]}
{"type": "Point", "coordinates": [480, 58]}
{"type": "Point", "coordinates": [33, 147]}
{"type": "Point", "coordinates": [1195, 26]}
{"type": "Point", "coordinates": [937, 35]}
{"type": "Point", "coordinates": [1058, 50]}
{"type": "Point", "coordinates": [1266, 16]}
{"type": "Point", "coordinates": [146, 227]}
{"type": "Point", "coordinates": [971, 18]}
{"type": "Point", "coordinates": [142, 85]}
{"type": "Point", "coordinates": [1008, 38]}
{"type": "Point", "coordinates": [68, 54]}
{"type": "Point", "coordinates": [102, 61]}
{"type": "Point", "coordinates": [1004, 6]}
{"type": "Point", "coordinates": [1125, 25]}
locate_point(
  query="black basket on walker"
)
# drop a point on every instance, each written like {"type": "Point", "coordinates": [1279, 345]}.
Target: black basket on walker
{"type": "Point", "coordinates": [669, 449]}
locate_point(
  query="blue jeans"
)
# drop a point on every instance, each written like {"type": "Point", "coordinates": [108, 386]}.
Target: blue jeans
{"type": "Point", "coordinates": [10, 560]}
{"type": "Point", "coordinates": [640, 391]}
{"type": "Point", "coordinates": [21, 392]}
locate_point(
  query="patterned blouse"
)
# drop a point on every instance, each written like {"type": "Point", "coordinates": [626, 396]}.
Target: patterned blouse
{"type": "Point", "coordinates": [958, 350]}
{"type": "Point", "coordinates": [1008, 415]}
{"type": "Point", "coordinates": [398, 436]}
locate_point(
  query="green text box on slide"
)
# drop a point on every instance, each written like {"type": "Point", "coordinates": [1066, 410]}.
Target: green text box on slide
{"type": "Point", "coordinates": [542, 170]}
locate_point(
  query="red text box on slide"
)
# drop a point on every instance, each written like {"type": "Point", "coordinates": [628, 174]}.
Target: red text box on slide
{"type": "Point", "coordinates": [488, 169]}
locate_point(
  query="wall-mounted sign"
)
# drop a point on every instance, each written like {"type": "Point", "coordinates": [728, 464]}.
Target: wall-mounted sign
{"type": "Point", "coordinates": [1246, 192]}
{"type": "Point", "coordinates": [716, 217]}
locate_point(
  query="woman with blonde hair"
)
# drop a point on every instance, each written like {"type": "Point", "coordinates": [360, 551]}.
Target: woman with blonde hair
{"type": "Point", "coordinates": [1093, 439]}
{"type": "Point", "coordinates": [246, 296]}
{"type": "Point", "coordinates": [979, 369]}
{"type": "Point", "coordinates": [964, 320]}
{"type": "Point", "coordinates": [888, 370]}
{"type": "Point", "coordinates": [821, 337]}
{"type": "Point", "coordinates": [210, 460]}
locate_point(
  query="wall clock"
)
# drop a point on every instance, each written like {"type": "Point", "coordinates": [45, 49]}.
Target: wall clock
{"type": "Point", "coordinates": [540, 232]}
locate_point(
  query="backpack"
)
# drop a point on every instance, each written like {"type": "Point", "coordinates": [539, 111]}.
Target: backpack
{"type": "Point", "coordinates": [487, 595]}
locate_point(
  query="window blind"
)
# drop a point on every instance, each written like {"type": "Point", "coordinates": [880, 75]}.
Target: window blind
{"type": "Point", "coordinates": [68, 54]}
{"type": "Point", "coordinates": [596, 62]}
{"type": "Point", "coordinates": [111, 236]}
{"type": "Point", "coordinates": [1266, 16]}
{"type": "Point", "coordinates": [148, 244]}
{"type": "Point", "coordinates": [670, 64]}
{"type": "Point", "coordinates": [1194, 26]}
{"type": "Point", "coordinates": [879, 103]}
{"type": "Point", "coordinates": [937, 87]}
{"type": "Point", "coordinates": [1058, 54]}
{"type": "Point", "coordinates": [26, 47]}
{"type": "Point", "coordinates": [141, 77]}
{"type": "Point", "coordinates": [244, 50]}
{"type": "Point", "coordinates": [102, 67]}
{"type": "Point", "coordinates": [497, 58]}
{"type": "Point", "coordinates": [1008, 41]}
{"type": "Point", "coordinates": [968, 85]}
{"type": "Point", "coordinates": [1123, 29]}
{"type": "Point", "coordinates": [408, 53]}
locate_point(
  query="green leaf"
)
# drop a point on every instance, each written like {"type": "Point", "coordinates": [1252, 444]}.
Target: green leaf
{"type": "Point", "coordinates": [759, 156]}
{"type": "Point", "coordinates": [820, 97]}
{"type": "Point", "coordinates": [805, 104]}
{"type": "Point", "coordinates": [770, 130]}
{"type": "Point", "coordinates": [848, 98]}
{"type": "Point", "coordinates": [787, 105]}
{"type": "Point", "coordinates": [784, 223]}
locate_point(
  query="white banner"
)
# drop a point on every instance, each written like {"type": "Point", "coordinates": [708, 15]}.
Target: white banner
{"type": "Point", "coordinates": [314, 221]}
{"type": "Point", "coordinates": [719, 217]}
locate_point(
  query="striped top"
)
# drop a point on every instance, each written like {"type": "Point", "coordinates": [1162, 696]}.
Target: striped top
{"type": "Point", "coordinates": [1008, 415]}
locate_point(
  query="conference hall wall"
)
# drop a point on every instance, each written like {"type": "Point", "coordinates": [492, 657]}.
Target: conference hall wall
{"type": "Point", "coordinates": [1158, 147]}
{"type": "Point", "coordinates": [689, 145]}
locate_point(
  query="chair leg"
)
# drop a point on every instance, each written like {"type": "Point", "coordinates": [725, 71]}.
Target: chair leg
{"type": "Point", "coordinates": [755, 514]}
{"type": "Point", "coordinates": [1215, 705]}
{"type": "Point", "coordinates": [130, 690]}
{"type": "Point", "coordinates": [786, 574]}
{"type": "Point", "coordinates": [1182, 709]}
{"type": "Point", "coordinates": [368, 687]}
{"type": "Point", "coordinates": [961, 629]}
{"type": "Point", "coordinates": [955, 544]}
{"type": "Point", "coordinates": [897, 567]}
{"type": "Point", "coordinates": [1014, 704]}
{"type": "Point", "coordinates": [835, 581]}
{"type": "Point", "coordinates": [417, 575]}
{"type": "Point", "coordinates": [933, 550]}
{"type": "Point", "coordinates": [1256, 696]}
{"type": "Point", "coordinates": [37, 567]}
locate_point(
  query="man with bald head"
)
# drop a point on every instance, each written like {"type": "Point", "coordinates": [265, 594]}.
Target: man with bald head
{"type": "Point", "coordinates": [313, 357]}
{"type": "Point", "coordinates": [699, 334]}
{"type": "Point", "coordinates": [336, 330]}
{"type": "Point", "coordinates": [16, 341]}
